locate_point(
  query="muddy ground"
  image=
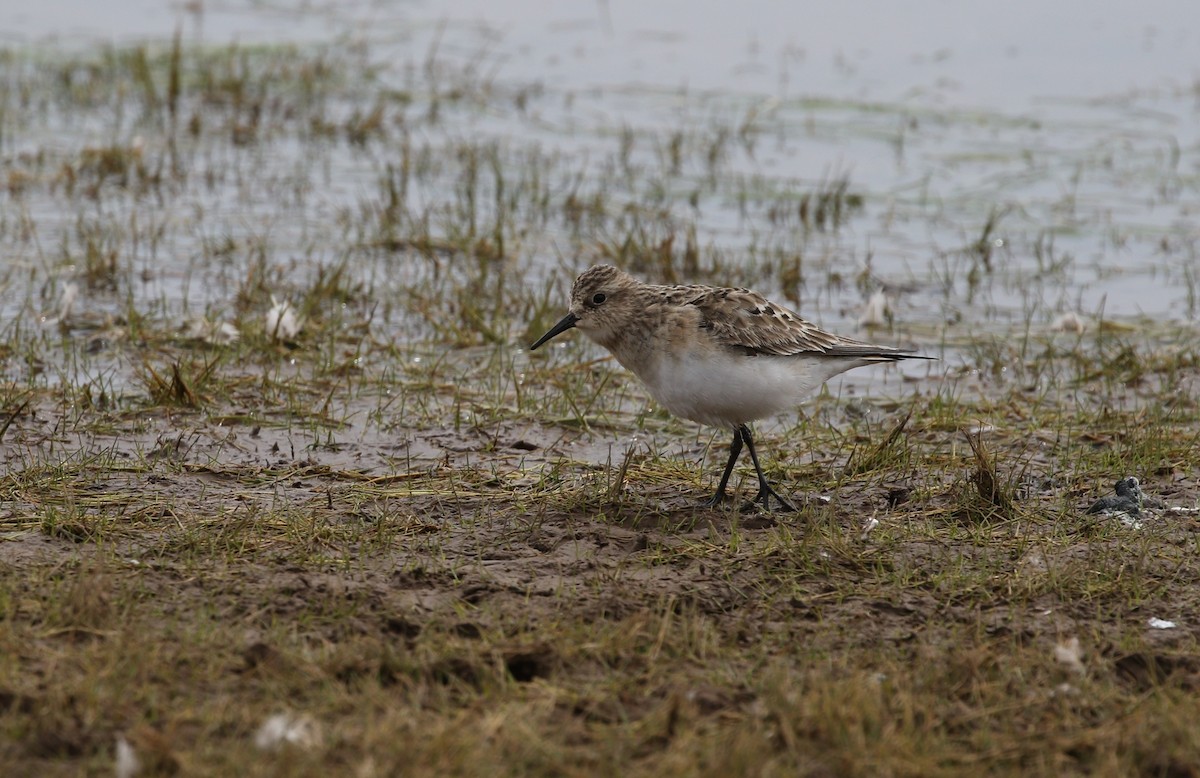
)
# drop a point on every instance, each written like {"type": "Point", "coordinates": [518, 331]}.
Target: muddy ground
{"type": "Point", "coordinates": [429, 600]}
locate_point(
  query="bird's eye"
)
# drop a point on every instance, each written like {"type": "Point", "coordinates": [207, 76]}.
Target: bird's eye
{"type": "Point", "coordinates": [598, 298]}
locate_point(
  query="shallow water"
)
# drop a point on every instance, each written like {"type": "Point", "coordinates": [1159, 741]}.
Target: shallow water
{"type": "Point", "coordinates": [1075, 128]}
{"type": "Point", "coordinates": [1001, 58]}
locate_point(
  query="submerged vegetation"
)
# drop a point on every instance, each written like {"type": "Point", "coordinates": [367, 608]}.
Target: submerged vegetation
{"type": "Point", "coordinates": [283, 493]}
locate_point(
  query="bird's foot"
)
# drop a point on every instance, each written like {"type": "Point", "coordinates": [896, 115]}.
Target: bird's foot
{"type": "Point", "coordinates": [716, 501]}
{"type": "Point", "coordinates": [763, 499]}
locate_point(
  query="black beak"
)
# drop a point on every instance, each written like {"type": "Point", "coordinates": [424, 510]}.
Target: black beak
{"type": "Point", "coordinates": [566, 323]}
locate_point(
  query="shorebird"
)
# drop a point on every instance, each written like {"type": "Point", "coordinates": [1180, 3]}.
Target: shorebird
{"type": "Point", "coordinates": [718, 356]}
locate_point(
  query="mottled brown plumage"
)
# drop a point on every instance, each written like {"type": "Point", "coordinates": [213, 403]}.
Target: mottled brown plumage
{"type": "Point", "coordinates": [716, 355]}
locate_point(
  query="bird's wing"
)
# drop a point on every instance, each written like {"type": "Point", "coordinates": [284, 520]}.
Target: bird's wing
{"type": "Point", "coordinates": [742, 319]}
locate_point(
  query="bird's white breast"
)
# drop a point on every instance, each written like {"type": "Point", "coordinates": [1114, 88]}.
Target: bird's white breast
{"type": "Point", "coordinates": [725, 389]}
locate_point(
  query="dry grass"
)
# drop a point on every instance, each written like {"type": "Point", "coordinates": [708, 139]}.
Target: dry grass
{"type": "Point", "coordinates": [178, 588]}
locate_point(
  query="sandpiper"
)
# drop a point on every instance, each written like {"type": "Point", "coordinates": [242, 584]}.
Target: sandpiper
{"type": "Point", "coordinates": [718, 356]}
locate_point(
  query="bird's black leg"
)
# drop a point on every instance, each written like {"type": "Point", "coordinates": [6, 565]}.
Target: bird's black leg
{"type": "Point", "coordinates": [765, 492]}
{"type": "Point", "coordinates": [735, 448]}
